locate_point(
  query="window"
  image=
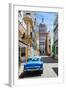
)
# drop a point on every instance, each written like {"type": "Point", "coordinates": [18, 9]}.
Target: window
{"type": "Point", "coordinates": [43, 51]}
{"type": "Point", "coordinates": [56, 50]}
{"type": "Point", "coordinates": [42, 43]}
{"type": "Point", "coordinates": [40, 52]}
{"type": "Point", "coordinates": [23, 51]}
{"type": "Point", "coordinates": [23, 36]}
{"type": "Point", "coordinates": [31, 34]}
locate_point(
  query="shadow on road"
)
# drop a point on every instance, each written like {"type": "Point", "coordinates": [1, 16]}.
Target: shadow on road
{"type": "Point", "coordinates": [30, 74]}
{"type": "Point", "coordinates": [55, 70]}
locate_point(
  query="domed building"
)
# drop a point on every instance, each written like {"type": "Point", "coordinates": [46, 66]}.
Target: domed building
{"type": "Point", "coordinates": [43, 39]}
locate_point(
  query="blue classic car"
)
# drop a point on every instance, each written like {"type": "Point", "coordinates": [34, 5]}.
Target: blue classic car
{"type": "Point", "coordinates": [33, 64]}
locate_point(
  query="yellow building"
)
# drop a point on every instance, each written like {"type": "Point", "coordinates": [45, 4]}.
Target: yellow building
{"type": "Point", "coordinates": [48, 44]}
{"type": "Point", "coordinates": [29, 23]}
{"type": "Point", "coordinates": [25, 38]}
{"type": "Point", "coordinates": [22, 43]}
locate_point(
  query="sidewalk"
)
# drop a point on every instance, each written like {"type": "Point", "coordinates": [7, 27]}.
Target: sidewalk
{"type": "Point", "coordinates": [48, 70]}
{"type": "Point", "coordinates": [20, 69]}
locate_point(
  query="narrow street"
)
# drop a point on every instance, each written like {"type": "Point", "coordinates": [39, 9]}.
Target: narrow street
{"type": "Point", "coordinates": [50, 69]}
{"type": "Point", "coordinates": [38, 36]}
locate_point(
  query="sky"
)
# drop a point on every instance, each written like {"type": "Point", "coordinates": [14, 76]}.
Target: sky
{"type": "Point", "coordinates": [49, 18]}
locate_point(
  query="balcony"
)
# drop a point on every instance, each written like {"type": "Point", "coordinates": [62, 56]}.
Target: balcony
{"type": "Point", "coordinates": [26, 39]}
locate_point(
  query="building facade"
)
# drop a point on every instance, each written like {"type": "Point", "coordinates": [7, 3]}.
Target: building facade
{"type": "Point", "coordinates": [55, 31]}
{"type": "Point", "coordinates": [22, 42]}
{"type": "Point", "coordinates": [43, 39]}
{"type": "Point", "coordinates": [27, 36]}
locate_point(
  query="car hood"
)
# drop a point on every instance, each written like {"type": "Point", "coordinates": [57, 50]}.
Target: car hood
{"type": "Point", "coordinates": [33, 62]}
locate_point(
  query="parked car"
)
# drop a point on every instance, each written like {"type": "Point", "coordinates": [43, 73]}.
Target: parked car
{"type": "Point", "coordinates": [33, 64]}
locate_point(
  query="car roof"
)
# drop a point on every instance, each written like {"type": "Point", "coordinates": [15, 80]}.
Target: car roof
{"type": "Point", "coordinates": [35, 57]}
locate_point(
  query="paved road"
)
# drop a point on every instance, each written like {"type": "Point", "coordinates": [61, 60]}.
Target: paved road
{"type": "Point", "coordinates": [49, 60]}
{"type": "Point", "coordinates": [50, 69]}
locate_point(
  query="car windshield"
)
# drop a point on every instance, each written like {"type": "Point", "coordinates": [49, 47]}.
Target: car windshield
{"type": "Point", "coordinates": [33, 59]}
{"type": "Point", "coordinates": [29, 59]}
